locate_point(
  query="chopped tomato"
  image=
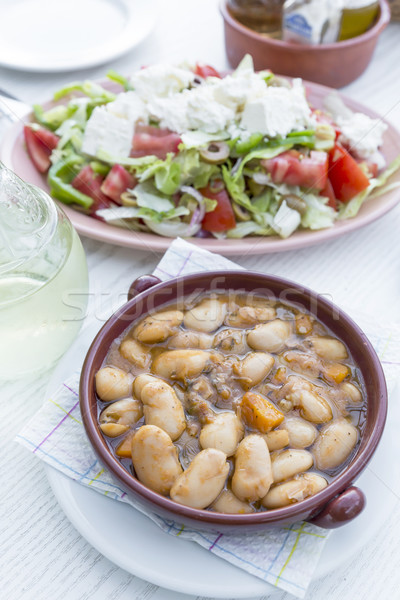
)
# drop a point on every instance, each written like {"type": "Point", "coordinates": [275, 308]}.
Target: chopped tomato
{"type": "Point", "coordinates": [346, 176]}
{"type": "Point", "coordinates": [48, 138]}
{"type": "Point", "coordinates": [117, 182]}
{"type": "Point", "coordinates": [204, 71]}
{"type": "Point", "coordinates": [89, 183]}
{"type": "Point", "coordinates": [154, 140]}
{"type": "Point", "coordinates": [40, 143]}
{"type": "Point", "coordinates": [223, 217]}
{"type": "Point", "coordinates": [294, 168]}
{"type": "Point", "coordinates": [328, 192]}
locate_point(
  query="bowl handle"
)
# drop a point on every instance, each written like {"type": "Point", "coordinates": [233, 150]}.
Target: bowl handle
{"type": "Point", "coordinates": [142, 283]}
{"type": "Point", "coordinates": [341, 510]}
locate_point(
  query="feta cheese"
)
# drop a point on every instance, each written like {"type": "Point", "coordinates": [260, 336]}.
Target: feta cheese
{"type": "Point", "coordinates": [170, 112]}
{"type": "Point", "coordinates": [129, 106]}
{"type": "Point", "coordinates": [235, 90]}
{"type": "Point", "coordinates": [362, 134]}
{"type": "Point", "coordinates": [205, 113]}
{"type": "Point", "coordinates": [161, 81]}
{"type": "Point", "coordinates": [107, 132]}
{"type": "Point", "coordinates": [192, 109]}
{"type": "Point", "coordinates": [278, 111]}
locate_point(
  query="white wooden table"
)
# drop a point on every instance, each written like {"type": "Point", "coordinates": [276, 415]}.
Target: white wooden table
{"type": "Point", "coordinates": [42, 555]}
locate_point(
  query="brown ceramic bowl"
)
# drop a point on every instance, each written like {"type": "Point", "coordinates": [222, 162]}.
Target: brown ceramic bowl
{"type": "Point", "coordinates": [335, 505]}
{"type": "Point", "coordinates": [334, 65]}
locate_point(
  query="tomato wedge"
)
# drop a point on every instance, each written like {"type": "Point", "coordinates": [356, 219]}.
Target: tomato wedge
{"type": "Point", "coordinates": [294, 168]}
{"type": "Point", "coordinates": [89, 183]}
{"type": "Point", "coordinates": [153, 140]}
{"type": "Point", "coordinates": [40, 143]}
{"type": "Point", "coordinates": [345, 175]}
{"type": "Point", "coordinates": [203, 70]}
{"type": "Point", "coordinates": [223, 217]}
{"type": "Point", "coordinates": [117, 182]}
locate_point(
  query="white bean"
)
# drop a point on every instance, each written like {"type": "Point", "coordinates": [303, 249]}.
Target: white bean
{"type": "Point", "coordinates": [276, 439]}
{"type": "Point", "coordinates": [231, 341]}
{"type": "Point", "coordinates": [228, 503]}
{"type": "Point", "coordinates": [288, 463]}
{"type": "Point", "coordinates": [334, 444]}
{"type": "Point", "coordinates": [113, 383]}
{"type": "Point", "coordinates": [224, 433]}
{"type": "Point", "coordinates": [206, 316]}
{"type": "Point", "coordinates": [294, 490]}
{"type": "Point", "coordinates": [313, 407]}
{"type": "Point", "coordinates": [140, 382]}
{"type": "Point", "coordinates": [270, 337]}
{"type": "Point", "coordinates": [158, 327]}
{"type": "Point", "coordinates": [191, 339]}
{"type": "Point", "coordinates": [252, 477]}
{"type": "Point", "coordinates": [162, 408]}
{"type": "Point", "coordinates": [135, 352]}
{"type": "Point", "coordinates": [155, 459]}
{"type": "Point", "coordinates": [202, 481]}
{"type": "Point", "coordinates": [117, 417]}
{"type": "Point", "coordinates": [301, 433]}
{"type": "Point", "coordinates": [250, 315]}
{"type": "Point", "coordinates": [351, 393]}
{"type": "Point", "coordinates": [180, 364]}
{"type": "Point", "coordinates": [253, 368]}
{"type": "Point", "coordinates": [329, 348]}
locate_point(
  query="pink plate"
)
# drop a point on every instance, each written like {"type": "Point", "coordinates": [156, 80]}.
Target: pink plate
{"type": "Point", "coordinates": [14, 155]}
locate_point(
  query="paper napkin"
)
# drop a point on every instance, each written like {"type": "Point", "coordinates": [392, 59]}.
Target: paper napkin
{"type": "Point", "coordinates": [284, 557]}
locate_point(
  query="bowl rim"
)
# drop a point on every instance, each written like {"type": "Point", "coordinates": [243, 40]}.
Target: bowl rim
{"type": "Point", "coordinates": [312, 505]}
{"type": "Point", "coordinates": [382, 21]}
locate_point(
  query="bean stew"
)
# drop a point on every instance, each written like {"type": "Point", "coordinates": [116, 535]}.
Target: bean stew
{"type": "Point", "coordinates": [231, 402]}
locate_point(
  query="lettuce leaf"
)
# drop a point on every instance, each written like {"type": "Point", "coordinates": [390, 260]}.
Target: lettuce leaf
{"type": "Point", "coordinates": [200, 139]}
{"type": "Point", "coordinates": [318, 214]}
{"type": "Point", "coordinates": [89, 88]}
{"type": "Point", "coordinates": [166, 173]}
{"type": "Point", "coordinates": [147, 196]}
{"type": "Point", "coordinates": [193, 170]}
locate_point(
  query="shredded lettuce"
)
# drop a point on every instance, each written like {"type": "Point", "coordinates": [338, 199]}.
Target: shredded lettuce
{"type": "Point", "coordinates": [89, 88]}
{"type": "Point", "coordinates": [147, 196]}
{"type": "Point", "coordinates": [200, 139]}
{"type": "Point", "coordinates": [286, 220]}
{"type": "Point", "coordinates": [318, 214]}
{"type": "Point", "coordinates": [166, 173]}
{"type": "Point", "coordinates": [118, 78]}
{"type": "Point", "coordinates": [193, 170]}
{"type": "Point", "coordinates": [52, 118]}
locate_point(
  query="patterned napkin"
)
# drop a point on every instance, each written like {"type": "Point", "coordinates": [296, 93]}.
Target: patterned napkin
{"type": "Point", "coordinates": [285, 557]}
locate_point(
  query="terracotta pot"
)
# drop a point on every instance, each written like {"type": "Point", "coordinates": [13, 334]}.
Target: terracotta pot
{"type": "Point", "coordinates": [334, 506]}
{"type": "Point", "coordinates": [334, 65]}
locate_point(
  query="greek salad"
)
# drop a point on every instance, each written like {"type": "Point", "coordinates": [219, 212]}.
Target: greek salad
{"type": "Point", "coordinates": [184, 151]}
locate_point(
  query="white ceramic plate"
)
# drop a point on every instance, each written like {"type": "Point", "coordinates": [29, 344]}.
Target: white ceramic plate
{"type": "Point", "coordinates": [50, 35]}
{"type": "Point", "coordinates": [137, 545]}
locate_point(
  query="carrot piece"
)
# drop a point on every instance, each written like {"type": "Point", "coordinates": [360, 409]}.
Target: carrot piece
{"type": "Point", "coordinates": [336, 372]}
{"type": "Point", "coordinates": [123, 449]}
{"type": "Point", "coordinates": [259, 413]}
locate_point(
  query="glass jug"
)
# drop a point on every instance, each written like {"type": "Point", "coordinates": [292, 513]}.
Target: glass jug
{"type": "Point", "coordinates": [43, 279]}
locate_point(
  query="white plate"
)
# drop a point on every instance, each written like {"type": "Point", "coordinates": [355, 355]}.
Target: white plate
{"type": "Point", "coordinates": [137, 545]}
{"type": "Point", "coordinates": [50, 35]}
